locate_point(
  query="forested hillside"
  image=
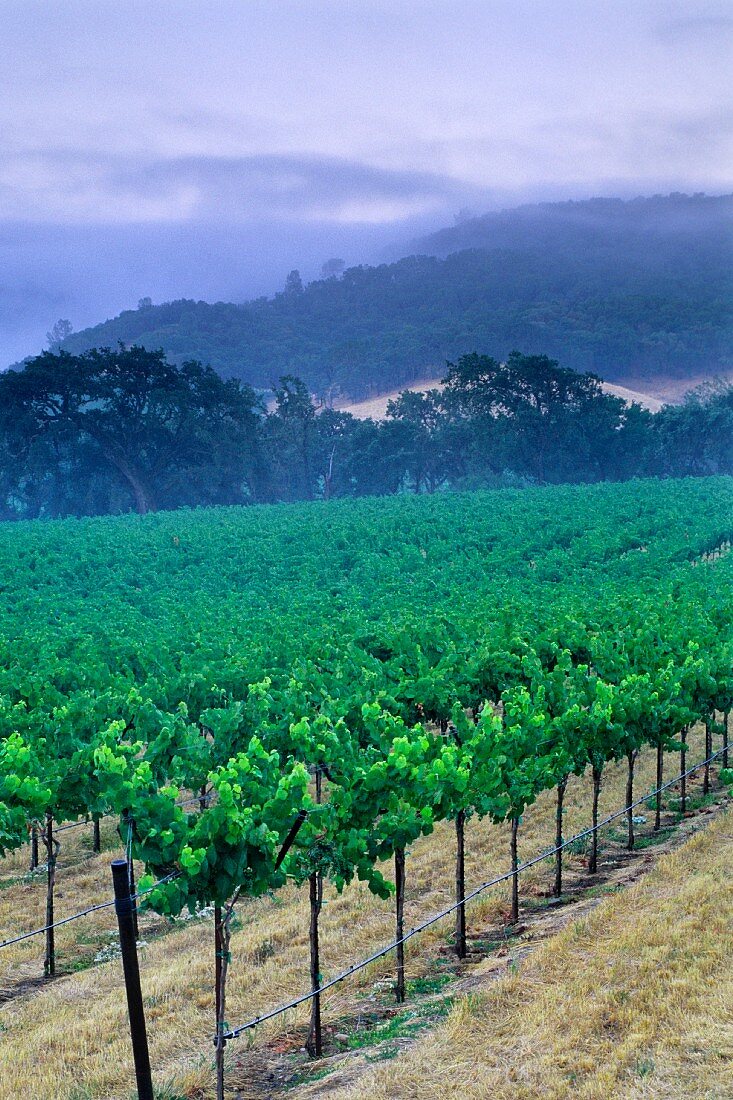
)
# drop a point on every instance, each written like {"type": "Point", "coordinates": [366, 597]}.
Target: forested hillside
{"type": "Point", "coordinates": [630, 290]}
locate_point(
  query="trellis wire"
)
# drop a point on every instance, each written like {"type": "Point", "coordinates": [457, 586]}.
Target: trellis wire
{"type": "Point", "coordinates": [199, 798]}
{"type": "Point", "coordinates": [355, 967]}
{"type": "Point", "coordinates": [86, 912]}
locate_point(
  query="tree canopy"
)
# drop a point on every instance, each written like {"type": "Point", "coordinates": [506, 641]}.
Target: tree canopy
{"type": "Point", "coordinates": [115, 430]}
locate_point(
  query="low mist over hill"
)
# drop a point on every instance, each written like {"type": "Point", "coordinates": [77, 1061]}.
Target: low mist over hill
{"type": "Point", "coordinates": [634, 291]}
{"type": "Point", "coordinates": [607, 226]}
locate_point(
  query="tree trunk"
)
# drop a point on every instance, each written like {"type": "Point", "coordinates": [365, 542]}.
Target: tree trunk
{"type": "Point", "coordinates": [460, 884]}
{"type": "Point", "coordinates": [593, 860]}
{"type": "Point", "coordinates": [222, 939]}
{"type": "Point", "coordinates": [131, 876]}
{"type": "Point", "coordinates": [34, 846]}
{"type": "Point", "coordinates": [708, 753]}
{"type": "Point", "coordinates": [726, 716]}
{"type": "Point", "coordinates": [660, 780]}
{"type": "Point", "coordinates": [52, 850]}
{"type": "Point", "coordinates": [313, 1043]}
{"type": "Point", "coordinates": [558, 836]}
{"type": "Point", "coordinates": [141, 494]}
{"type": "Point", "coordinates": [220, 1000]}
{"type": "Point", "coordinates": [631, 758]}
{"type": "Point", "coordinates": [96, 836]}
{"type": "Point", "coordinates": [683, 769]}
{"type": "Point", "coordinates": [399, 878]}
{"type": "Point", "coordinates": [514, 913]}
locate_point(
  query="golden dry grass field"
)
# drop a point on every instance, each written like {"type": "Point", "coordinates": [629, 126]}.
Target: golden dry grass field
{"type": "Point", "coordinates": [68, 1039]}
{"type": "Point", "coordinates": [635, 1000]}
{"type": "Point", "coordinates": [376, 407]}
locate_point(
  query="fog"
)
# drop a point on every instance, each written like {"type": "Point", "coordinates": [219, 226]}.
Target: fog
{"type": "Point", "coordinates": [197, 150]}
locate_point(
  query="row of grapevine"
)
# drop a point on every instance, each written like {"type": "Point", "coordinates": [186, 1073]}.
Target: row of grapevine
{"type": "Point", "coordinates": [369, 686]}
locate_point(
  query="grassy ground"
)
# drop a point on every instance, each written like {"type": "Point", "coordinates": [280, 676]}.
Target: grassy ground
{"type": "Point", "coordinates": [67, 1039]}
{"type": "Point", "coordinates": [636, 1000]}
{"type": "Point", "coordinates": [376, 407]}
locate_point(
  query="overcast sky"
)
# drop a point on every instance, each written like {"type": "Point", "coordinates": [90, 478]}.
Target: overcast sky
{"type": "Point", "coordinates": [174, 147]}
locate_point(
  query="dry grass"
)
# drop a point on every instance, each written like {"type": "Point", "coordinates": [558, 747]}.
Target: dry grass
{"type": "Point", "coordinates": [376, 407]}
{"type": "Point", "coordinates": [68, 1039]}
{"type": "Point", "coordinates": [634, 1001]}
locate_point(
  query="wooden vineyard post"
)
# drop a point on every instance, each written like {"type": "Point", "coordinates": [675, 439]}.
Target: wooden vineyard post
{"type": "Point", "coordinates": [124, 908]}
{"type": "Point", "coordinates": [52, 850]}
{"type": "Point", "coordinates": [96, 836]}
{"type": "Point", "coordinates": [557, 891]}
{"type": "Point", "coordinates": [660, 779]}
{"type": "Point", "coordinates": [314, 1042]}
{"type": "Point", "coordinates": [222, 940]}
{"type": "Point", "coordinates": [460, 884]}
{"type": "Point", "coordinates": [399, 878]}
{"type": "Point", "coordinates": [631, 759]}
{"type": "Point", "coordinates": [708, 753]}
{"type": "Point", "coordinates": [683, 769]}
{"type": "Point", "coordinates": [221, 947]}
{"type": "Point", "coordinates": [593, 860]}
{"type": "Point", "coordinates": [726, 716]}
{"type": "Point", "coordinates": [514, 912]}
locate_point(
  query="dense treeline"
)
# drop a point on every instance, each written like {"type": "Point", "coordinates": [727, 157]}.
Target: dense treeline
{"type": "Point", "coordinates": [110, 431]}
{"type": "Point", "coordinates": [624, 289]}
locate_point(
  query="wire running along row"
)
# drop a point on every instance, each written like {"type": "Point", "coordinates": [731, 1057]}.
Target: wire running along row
{"type": "Point", "coordinates": [233, 1033]}
{"type": "Point", "coordinates": [85, 912]}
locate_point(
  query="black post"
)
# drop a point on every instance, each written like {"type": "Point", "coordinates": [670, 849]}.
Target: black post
{"type": "Point", "coordinates": [124, 907]}
{"type": "Point", "coordinates": [96, 836]}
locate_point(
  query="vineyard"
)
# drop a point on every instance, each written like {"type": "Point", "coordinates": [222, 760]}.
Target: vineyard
{"type": "Point", "coordinates": [309, 729]}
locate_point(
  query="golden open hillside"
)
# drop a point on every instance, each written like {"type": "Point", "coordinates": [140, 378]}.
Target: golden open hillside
{"type": "Point", "coordinates": [376, 407]}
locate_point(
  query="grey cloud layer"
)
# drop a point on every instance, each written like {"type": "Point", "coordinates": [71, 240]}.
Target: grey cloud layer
{"type": "Point", "coordinates": [92, 188]}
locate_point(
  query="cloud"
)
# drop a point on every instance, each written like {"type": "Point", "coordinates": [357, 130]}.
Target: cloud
{"type": "Point", "coordinates": [102, 189]}
{"type": "Point", "coordinates": [697, 26]}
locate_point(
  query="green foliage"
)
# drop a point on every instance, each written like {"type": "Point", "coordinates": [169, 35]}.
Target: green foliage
{"type": "Point", "coordinates": [343, 678]}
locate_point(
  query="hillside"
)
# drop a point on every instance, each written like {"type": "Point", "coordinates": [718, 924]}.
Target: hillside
{"type": "Point", "coordinates": [72, 1034]}
{"type": "Point", "coordinates": [632, 1001]}
{"type": "Point", "coordinates": [375, 408]}
{"type": "Point", "coordinates": [634, 291]}
{"type": "Point", "coordinates": [320, 648]}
